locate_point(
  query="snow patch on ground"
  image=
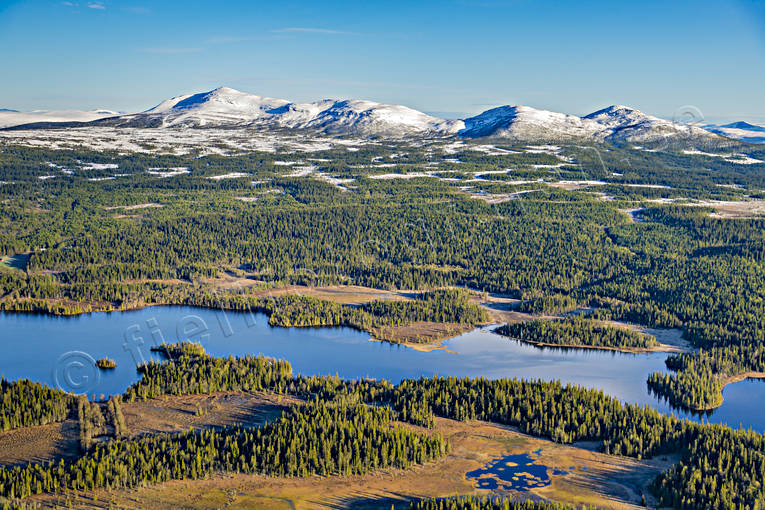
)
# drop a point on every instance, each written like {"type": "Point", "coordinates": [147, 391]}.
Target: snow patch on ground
{"type": "Point", "coordinates": [61, 168]}
{"type": "Point", "coordinates": [99, 166]}
{"type": "Point", "coordinates": [543, 149]}
{"type": "Point", "coordinates": [178, 141]}
{"type": "Point", "coordinates": [168, 172]}
{"type": "Point", "coordinates": [230, 175]}
{"type": "Point", "coordinates": [335, 181]}
{"type": "Point", "coordinates": [492, 172]}
{"type": "Point", "coordinates": [738, 159]}
{"type": "Point", "coordinates": [656, 186]}
{"type": "Point", "coordinates": [538, 167]}
{"type": "Point", "coordinates": [743, 159]}
{"type": "Point", "coordinates": [401, 176]}
{"type": "Point", "coordinates": [302, 171]}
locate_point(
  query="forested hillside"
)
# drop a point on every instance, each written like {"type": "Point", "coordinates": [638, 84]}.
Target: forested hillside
{"type": "Point", "coordinates": [719, 468]}
{"type": "Point", "coordinates": [108, 234]}
{"type": "Point", "coordinates": [658, 239]}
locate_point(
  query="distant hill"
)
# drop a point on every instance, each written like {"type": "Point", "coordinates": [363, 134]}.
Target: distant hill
{"type": "Point", "coordinates": [10, 118]}
{"type": "Point", "coordinates": [742, 131]}
{"type": "Point", "coordinates": [231, 109]}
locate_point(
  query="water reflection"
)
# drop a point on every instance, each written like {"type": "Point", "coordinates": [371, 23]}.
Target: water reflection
{"type": "Point", "coordinates": [32, 345]}
{"type": "Point", "coordinates": [513, 473]}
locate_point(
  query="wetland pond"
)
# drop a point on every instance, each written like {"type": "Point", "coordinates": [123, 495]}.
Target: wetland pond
{"type": "Point", "coordinates": [61, 351]}
{"type": "Point", "coordinates": [513, 473]}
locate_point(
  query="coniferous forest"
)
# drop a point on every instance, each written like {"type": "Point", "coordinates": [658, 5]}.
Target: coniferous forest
{"type": "Point", "coordinates": [719, 467]}
{"type": "Point", "coordinates": [25, 403]}
{"type": "Point", "coordinates": [318, 438]}
{"type": "Point", "coordinates": [663, 265]}
{"type": "Point", "coordinates": [647, 245]}
{"type": "Point", "coordinates": [575, 332]}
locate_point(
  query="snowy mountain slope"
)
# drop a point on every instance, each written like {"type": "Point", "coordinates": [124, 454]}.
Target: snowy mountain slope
{"type": "Point", "coordinates": [368, 117]}
{"type": "Point", "coordinates": [10, 118]}
{"type": "Point", "coordinates": [625, 124]}
{"type": "Point", "coordinates": [231, 109]}
{"type": "Point", "coordinates": [226, 107]}
{"type": "Point", "coordinates": [218, 107]}
{"type": "Point", "coordinates": [526, 123]}
{"type": "Point", "coordinates": [742, 131]}
{"type": "Point", "coordinates": [615, 123]}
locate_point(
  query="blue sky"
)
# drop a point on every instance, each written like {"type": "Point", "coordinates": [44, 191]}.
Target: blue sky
{"type": "Point", "coordinates": [449, 58]}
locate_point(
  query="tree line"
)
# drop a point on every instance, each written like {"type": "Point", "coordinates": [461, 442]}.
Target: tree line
{"type": "Point", "coordinates": [315, 438]}
{"type": "Point", "coordinates": [547, 409]}
{"type": "Point", "coordinates": [24, 403]}
{"type": "Point", "coordinates": [576, 331]}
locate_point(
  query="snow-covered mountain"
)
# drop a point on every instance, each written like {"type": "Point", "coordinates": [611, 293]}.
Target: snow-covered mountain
{"type": "Point", "coordinates": [526, 123]}
{"type": "Point", "coordinates": [10, 118]}
{"type": "Point", "coordinates": [623, 124]}
{"type": "Point", "coordinates": [615, 124]}
{"type": "Point", "coordinates": [742, 131]}
{"type": "Point", "coordinates": [228, 108]}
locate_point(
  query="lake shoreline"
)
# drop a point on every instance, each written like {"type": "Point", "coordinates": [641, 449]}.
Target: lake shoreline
{"type": "Point", "coordinates": [660, 348]}
{"type": "Point", "coordinates": [725, 381]}
{"type": "Point", "coordinates": [40, 341]}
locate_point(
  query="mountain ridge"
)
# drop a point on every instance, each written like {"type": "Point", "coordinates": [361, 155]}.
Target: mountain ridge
{"type": "Point", "coordinates": [13, 118]}
{"type": "Point", "coordinates": [225, 107]}
{"type": "Point", "coordinates": [740, 130]}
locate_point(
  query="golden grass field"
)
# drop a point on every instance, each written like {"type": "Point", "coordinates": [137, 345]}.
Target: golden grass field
{"type": "Point", "coordinates": [597, 479]}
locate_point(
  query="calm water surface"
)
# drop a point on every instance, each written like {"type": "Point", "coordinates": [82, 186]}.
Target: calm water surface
{"type": "Point", "coordinates": [59, 351]}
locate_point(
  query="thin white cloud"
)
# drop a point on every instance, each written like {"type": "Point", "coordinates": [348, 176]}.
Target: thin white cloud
{"type": "Point", "coordinates": [70, 4]}
{"type": "Point", "coordinates": [306, 30]}
{"type": "Point", "coordinates": [171, 51]}
{"type": "Point", "coordinates": [227, 39]}
{"type": "Point", "coordinates": [97, 5]}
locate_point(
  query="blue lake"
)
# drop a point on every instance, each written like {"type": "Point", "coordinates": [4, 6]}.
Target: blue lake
{"type": "Point", "coordinates": [59, 351]}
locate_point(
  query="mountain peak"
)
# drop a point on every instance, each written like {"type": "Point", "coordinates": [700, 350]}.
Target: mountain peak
{"type": "Point", "coordinates": [525, 122]}
{"type": "Point", "coordinates": [228, 108]}
{"type": "Point", "coordinates": [743, 125]}
{"type": "Point", "coordinates": [743, 131]}
{"type": "Point", "coordinates": [225, 90]}
{"type": "Point", "coordinates": [614, 110]}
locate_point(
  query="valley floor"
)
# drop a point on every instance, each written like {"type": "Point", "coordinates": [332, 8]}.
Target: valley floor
{"type": "Point", "coordinates": [590, 477]}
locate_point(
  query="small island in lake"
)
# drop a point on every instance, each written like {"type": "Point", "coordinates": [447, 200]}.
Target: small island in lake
{"type": "Point", "coordinates": [106, 364]}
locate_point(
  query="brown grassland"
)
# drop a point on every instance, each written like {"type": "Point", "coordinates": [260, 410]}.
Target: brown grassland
{"type": "Point", "coordinates": [598, 479]}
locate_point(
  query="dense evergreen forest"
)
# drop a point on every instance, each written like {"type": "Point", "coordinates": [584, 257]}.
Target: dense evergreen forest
{"type": "Point", "coordinates": [442, 305]}
{"type": "Point", "coordinates": [576, 331]}
{"type": "Point", "coordinates": [561, 413]}
{"type": "Point", "coordinates": [720, 468]}
{"type": "Point", "coordinates": [98, 238]}
{"type": "Point", "coordinates": [24, 403]}
{"type": "Point", "coordinates": [667, 265]}
{"type": "Point", "coordinates": [317, 438]}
